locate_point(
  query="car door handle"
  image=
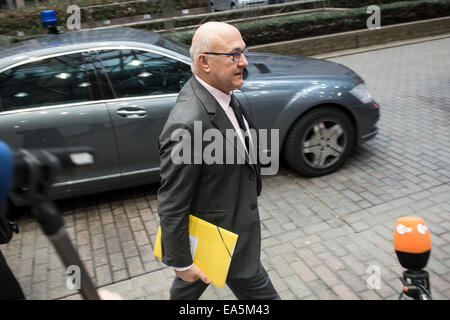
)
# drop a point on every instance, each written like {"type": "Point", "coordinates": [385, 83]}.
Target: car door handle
{"type": "Point", "coordinates": [132, 113]}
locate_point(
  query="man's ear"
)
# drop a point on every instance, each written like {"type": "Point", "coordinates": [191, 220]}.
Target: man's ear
{"type": "Point", "coordinates": [203, 63]}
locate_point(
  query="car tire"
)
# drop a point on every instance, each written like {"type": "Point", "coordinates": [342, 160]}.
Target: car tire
{"type": "Point", "coordinates": [319, 142]}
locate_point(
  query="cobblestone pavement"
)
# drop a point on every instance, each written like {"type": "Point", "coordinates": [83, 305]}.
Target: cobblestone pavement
{"type": "Point", "coordinates": [320, 236]}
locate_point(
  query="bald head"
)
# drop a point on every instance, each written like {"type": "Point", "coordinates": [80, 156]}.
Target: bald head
{"type": "Point", "coordinates": [210, 36]}
{"type": "Point", "coordinates": [219, 68]}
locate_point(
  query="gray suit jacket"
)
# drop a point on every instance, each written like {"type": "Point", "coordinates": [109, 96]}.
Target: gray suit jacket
{"type": "Point", "coordinates": [223, 194]}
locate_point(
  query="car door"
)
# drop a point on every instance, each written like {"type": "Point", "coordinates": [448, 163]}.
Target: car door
{"type": "Point", "coordinates": [146, 85]}
{"type": "Point", "coordinates": [56, 102]}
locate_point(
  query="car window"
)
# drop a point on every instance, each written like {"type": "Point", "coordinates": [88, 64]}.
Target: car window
{"type": "Point", "coordinates": [138, 73]}
{"type": "Point", "coordinates": [180, 48]}
{"type": "Point", "coordinates": [62, 79]}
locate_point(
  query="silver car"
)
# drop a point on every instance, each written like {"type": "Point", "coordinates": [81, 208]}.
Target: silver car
{"type": "Point", "coordinates": [112, 90]}
{"type": "Point", "coordinates": [235, 4]}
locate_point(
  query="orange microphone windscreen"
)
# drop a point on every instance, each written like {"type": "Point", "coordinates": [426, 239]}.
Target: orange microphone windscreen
{"type": "Point", "coordinates": [412, 242]}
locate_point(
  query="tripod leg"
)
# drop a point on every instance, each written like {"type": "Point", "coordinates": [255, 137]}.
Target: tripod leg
{"type": "Point", "coordinates": [53, 226]}
{"type": "Point", "coordinates": [69, 256]}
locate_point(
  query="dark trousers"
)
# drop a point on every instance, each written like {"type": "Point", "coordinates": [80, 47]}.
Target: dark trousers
{"type": "Point", "coordinates": [257, 287]}
{"type": "Point", "coordinates": [9, 286]}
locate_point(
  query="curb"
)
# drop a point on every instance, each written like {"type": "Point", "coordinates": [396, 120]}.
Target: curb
{"type": "Point", "coordinates": [393, 44]}
{"type": "Point", "coordinates": [359, 39]}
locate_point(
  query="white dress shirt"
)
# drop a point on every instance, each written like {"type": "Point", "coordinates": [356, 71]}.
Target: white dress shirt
{"type": "Point", "coordinates": [224, 100]}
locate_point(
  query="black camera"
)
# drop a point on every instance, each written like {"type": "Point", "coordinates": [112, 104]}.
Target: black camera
{"type": "Point", "coordinates": [30, 174]}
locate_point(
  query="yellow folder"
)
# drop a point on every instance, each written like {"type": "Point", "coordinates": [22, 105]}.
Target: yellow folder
{"type": "Point", "coordinates": [211, 248]}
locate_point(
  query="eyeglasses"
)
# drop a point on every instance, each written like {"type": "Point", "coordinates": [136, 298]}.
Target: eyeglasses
{"type": "Point", "coordinates": [236, 55]}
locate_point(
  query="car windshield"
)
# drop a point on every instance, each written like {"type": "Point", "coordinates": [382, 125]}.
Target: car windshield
{"type": "Point", "coordinates": [174, 46]}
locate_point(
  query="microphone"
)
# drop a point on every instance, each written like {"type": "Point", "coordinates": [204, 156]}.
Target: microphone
{"type": "Point", "coordinates": [6, 171]}
{"type": "Point", "coordinates": [412, 244]}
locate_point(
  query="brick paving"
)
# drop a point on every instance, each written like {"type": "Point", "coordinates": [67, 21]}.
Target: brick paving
{"type": "Point", "coordinates": [320, 236]}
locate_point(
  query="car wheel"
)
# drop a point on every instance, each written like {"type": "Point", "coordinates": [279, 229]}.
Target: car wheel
{"type": "Point", "coordinates": [319, 142]}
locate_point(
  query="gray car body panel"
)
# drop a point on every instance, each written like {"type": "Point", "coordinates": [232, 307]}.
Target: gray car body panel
{"type": "Point", "coordinates": [277, 90]}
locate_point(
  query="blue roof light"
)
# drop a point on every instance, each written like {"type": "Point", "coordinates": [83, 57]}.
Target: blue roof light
{"type": "Point", "coordinates": [49, 19]}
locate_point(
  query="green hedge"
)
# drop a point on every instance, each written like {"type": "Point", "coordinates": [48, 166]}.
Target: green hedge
{"type": "Point", "coordinates": [256, 32]}
{"type": "Point", "coordinates": [28, 19]}
{"type": "Point", "coordinates": [321, 23]}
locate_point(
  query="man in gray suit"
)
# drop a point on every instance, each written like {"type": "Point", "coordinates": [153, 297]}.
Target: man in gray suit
{"type": "Point", "coordinates": [222, 193]}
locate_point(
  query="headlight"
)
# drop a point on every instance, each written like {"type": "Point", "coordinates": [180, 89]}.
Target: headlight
{"type": "Point", "coordinates": [362, 93]}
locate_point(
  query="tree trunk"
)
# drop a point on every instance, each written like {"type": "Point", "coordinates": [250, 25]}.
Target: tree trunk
{"type": "Point", "coordinates": [168, 11]}
{"type": "Point", "coordinates": [20, 3]}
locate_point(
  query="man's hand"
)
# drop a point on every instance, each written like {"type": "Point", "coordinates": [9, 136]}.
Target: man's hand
{"type": "Point", "coordinates": [109, 295]}
{"type": "Point", "coordinates": [193, 274]}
